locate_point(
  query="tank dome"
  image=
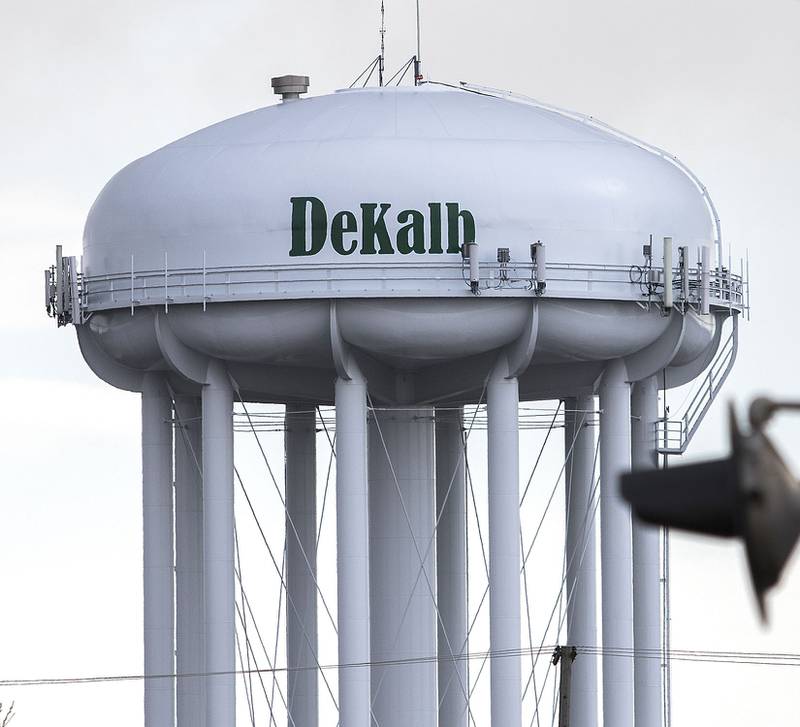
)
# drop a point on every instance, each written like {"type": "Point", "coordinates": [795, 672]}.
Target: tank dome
{"type": "Point", "coordinates": [395, 175]}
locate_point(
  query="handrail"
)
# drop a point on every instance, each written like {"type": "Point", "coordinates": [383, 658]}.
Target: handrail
{"type": "Point", "coordinates": [673, 435]}
{"type": "Point", "coordinates": [131, 289]}
{"type": "Point", "coordinates": [134, 288]}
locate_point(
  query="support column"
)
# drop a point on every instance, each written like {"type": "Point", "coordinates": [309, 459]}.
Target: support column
{"type": "Point", "coordinates": [301, 565]}
{"type": "Point", "coordinates": [615, 547]}
{"type": "Point", "coordinates": [402, 589]}
{"type": "Point", "coordinates": [451, 567]}
{"type": "Point", "coordinates": [218, 548]}
{"type": "Point", "coordinates": [189, 621]}
{"type": "Point", "coordinates": [159, 632]}
{"type": "Point", "coordinates": [646, 565]}
{"type": "Point", "coordinates": [352, 531]}
{"type": "Point", "coordinates": [502, 397]}
{"type": "Point", "coordinates": [581, 580]}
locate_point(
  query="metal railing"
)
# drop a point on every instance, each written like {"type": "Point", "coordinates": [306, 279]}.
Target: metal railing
{"type": "Point", "coordinates": [530, 417]}
{"type": "Point", "coordinates": [206, 285]}
{"type": "Point", "coordinates": [674, 434]}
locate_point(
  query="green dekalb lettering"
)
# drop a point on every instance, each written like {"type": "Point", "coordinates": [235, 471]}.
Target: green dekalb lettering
{"type": "Point", "coordinates": [380, 232]}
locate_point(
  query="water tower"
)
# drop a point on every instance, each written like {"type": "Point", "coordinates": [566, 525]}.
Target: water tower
{"type": "Point", "coordinates": [400, 253]}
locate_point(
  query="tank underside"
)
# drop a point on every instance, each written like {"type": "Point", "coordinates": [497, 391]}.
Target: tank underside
{"type": "Point", "coordinates": [415, 351]}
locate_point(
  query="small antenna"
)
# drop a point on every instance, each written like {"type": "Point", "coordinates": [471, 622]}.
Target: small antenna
{"type": "Point", "coordinates": [418, 58]}
{"type": "Point", "coordinates": [383, 45]}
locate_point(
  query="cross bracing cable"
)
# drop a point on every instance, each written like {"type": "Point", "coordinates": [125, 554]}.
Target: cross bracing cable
{"type": "Point", "coordinates": [483, 548]}
{"type": "Point", "coordinates": [270, 700]}
{"type": "Point", "coordinates": [553, 491]}
{"type": "Point", "coordinates": [584, 416]}
{"type": "Point", "coordinates": [530, 650]}
{"type": "Point", "coordinates": [181, 423]}
{"type": "Point", "coordinates": [246, 675]}
{"type": "Point", "coordinates": [568, 502]}
{"type": "Point", "coordinates": [702, 657]}
{"type": "Point", "coordinates": [289, 598]}
{"type": "Point", "coordinates": [474, 417]}
{"type": "Point", "coordinates": [539, 456]}
{"type": "Point", "coordinates": [585, 533]}
{"type": "Point", "coordinates": [528, 615]}
{"type": "Point", "coordinates": [278, 620]}
{"type": "Point", "coordinates": [589, 515]}
{"type": "Point", "coordinates": [332, 443]}
{"type": "Point", "coordinates": [289, 519]}
{"type": "Point", "coordinates": [464, 439]}
{"type": "Point", "coordinates": [259, 673]}
{"type": "Point", "coordinates": [486, 569]}
{"type": "Point", "coordinates": [522, 547]}
{"type": "Point", "coordinates": [279, 612]}
{"type": "Point", "coordinates": [422, 559]}
{"type": "Point", "coordinates": [242, 615]}
{"type": "Point", "coordinates": [248, 679]}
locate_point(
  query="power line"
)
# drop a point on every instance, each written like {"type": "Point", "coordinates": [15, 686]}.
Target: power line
{"type": "Point", "coordinates": [752, 658]}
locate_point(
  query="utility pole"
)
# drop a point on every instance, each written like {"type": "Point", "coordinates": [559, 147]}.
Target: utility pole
{"type": "Point", "coordinates": [565, 655]}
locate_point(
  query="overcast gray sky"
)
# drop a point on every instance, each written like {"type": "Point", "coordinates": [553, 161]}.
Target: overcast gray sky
{"type": "Point", "coordinates": [86, 87]}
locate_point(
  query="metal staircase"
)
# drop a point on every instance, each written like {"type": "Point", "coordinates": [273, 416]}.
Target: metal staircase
{"type": "Point", "coordinates": [673, 434]}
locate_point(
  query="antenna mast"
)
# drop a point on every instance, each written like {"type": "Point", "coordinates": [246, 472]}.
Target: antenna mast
{"type": "Point", "coordinates": [418, 57]}
{"type": "Point", "coordinates": [383, 46]}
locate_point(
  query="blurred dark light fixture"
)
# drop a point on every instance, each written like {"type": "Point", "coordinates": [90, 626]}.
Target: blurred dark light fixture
{"type": "Point", "coordinates": [750, 495]}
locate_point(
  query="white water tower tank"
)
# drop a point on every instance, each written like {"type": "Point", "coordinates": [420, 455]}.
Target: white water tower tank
{"type": "Point", "coordinates": [315, 252]}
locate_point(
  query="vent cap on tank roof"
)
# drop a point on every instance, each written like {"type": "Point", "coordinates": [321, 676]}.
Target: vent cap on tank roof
{"type": "Point", "coordinates": [289, 88]}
